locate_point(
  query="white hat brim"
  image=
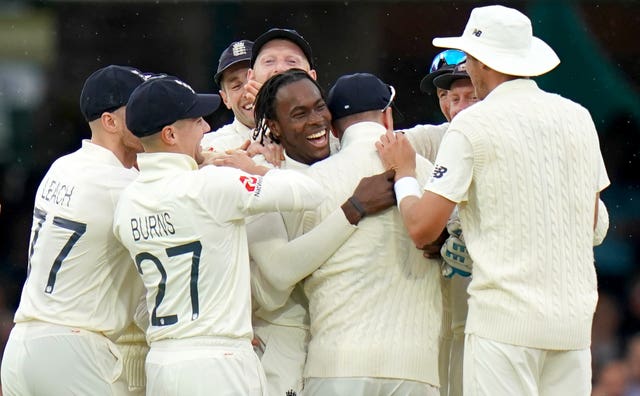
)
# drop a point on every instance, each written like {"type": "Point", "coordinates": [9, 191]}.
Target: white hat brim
{"type": "Point", "coordinates": [539, 59]}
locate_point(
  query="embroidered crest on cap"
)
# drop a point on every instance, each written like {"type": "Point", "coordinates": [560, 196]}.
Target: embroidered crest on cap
{"type": "Point", "coordinates": [239, 49]}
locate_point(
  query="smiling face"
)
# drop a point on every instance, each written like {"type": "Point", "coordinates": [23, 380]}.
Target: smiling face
{"type": "Point", "coordinates": [188, 135]}
{"type": "Point", "coordinates": [232, 82]}
{"type": "Point", "coordinates": [277, 56]}
{"type": "Point", "coordinates": [302, 121]}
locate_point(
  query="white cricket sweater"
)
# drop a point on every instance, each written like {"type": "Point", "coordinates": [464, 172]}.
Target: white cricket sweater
{"type": "Point", "coordinates": [528, 220]}
{"type": "Point", "coordinates": [375, 306]}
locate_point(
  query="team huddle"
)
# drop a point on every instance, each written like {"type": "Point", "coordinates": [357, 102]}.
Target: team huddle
{"type": "Point", "coordinates": [309, 247]}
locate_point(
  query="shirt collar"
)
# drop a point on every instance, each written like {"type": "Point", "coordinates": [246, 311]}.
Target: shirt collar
{"type": "Point", "coordinates": [290, 163]}
{"type": "Point", "coordinates": [512, 85]}
{"type": "Point", "coordinates": [100, 153]}
{"type": "Point", "coordinates": [242, 129]}
{"type": "Point", "coordinates": [158, 165]}
{"type": "Point", "coordinates": [366, 130]}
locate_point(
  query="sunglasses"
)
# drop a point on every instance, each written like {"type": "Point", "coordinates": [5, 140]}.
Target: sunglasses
{"type": "Point", "coordinates": [391, 98]}
{"type": "Point", "coordinates": [449, 57]}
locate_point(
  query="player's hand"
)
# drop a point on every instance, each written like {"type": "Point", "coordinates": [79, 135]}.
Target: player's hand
{"type": "Point", "coordinates": [454, 251]}
{"type": "Point", "coordinates": [240, 160]}
{"type": "Point", "coordinates": [432, 250]}
{"type": "Point", "coordinates": [251, 89]}
{"type": "Point", "coordinates": [396, 152]}
{"type": "Point", "coordinates": [373, 194]}
{"type": "Point", "coordinates": [273, 153]}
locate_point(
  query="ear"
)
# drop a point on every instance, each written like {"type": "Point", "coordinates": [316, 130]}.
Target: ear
{"type": "Point", "coordinates": [168, 135]}
{"type": "Point", "coordinates": [387, 119]}
{"type": "Point", "coordinates": [250, 74]}
{"type": "Point", "coordinates": [313, 74]}
{"type": "Point", "coordinates": [225, 98]}
{"type": "Point", "coordinates": [109, 122]}
{"type": "Point", "coordinates": [274, 128]}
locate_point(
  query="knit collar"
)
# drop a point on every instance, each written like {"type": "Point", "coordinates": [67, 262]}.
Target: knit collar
{"type": "Point", "coordinates": [512, 85]}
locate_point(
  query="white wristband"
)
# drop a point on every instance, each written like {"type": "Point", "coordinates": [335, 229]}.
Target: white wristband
{"type": "Point", "coordinates": [405, 187]}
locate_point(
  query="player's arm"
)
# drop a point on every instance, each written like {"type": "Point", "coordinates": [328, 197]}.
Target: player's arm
{"type": "Point", "coordinates": [425, 139]}
{"type": "Point", "coordinates": [284, 263]}
{"type": "Point", "coordinates": [424, 216]}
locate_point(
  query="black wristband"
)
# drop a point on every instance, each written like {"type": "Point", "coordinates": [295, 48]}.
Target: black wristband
{"type": "Point", "coordinates": [358, 206]}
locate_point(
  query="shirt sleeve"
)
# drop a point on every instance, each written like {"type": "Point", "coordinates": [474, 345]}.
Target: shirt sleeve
{"type": "Point", "coordinates": [426, 139]}
{"type": "Point", "coordinates": [453, 168]}
{"type": "Point", "coordinates": [284, 263]}
{"type": "Point", "coordinates": [233, 194]}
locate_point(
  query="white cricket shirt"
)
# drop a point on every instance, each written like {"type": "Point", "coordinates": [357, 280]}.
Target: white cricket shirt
{"type": "Point", "coordinates": [185, 229]}
{"type": "Point", "coordinates": [80, 275]}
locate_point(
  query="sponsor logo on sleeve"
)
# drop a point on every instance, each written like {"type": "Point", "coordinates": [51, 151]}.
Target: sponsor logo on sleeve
{"type": "Point", "coordinates": [249, 182]}
{"type": "Point", "coordinates": [439, 171]}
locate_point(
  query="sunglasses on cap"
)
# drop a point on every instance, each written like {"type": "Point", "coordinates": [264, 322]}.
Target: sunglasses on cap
{"type": "Point", "coordinates": [450, 57]}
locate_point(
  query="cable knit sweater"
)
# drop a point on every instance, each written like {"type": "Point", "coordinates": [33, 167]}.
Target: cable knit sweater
{"type": "Point", "coordinates": [375, 305]}
{"type": "Point", "coordinates": [528, 220]}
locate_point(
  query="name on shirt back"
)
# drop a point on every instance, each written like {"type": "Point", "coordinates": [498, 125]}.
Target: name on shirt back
{"type": "Point", "coordinates": [57, 192]}
{"type": "Point", "coordinates": [152, 226]}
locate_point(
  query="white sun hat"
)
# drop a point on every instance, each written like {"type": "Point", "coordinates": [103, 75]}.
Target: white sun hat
{"type": "Point", "coordinates": [502, 38]}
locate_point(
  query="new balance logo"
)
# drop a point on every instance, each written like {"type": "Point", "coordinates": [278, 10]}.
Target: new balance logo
{"type": "Point", "coordinates": [477, 32]}
{"type": "Point", "coordinates": [439, 171]}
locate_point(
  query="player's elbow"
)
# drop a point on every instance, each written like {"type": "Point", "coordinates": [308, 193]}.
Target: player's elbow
{"type": "Point", "coordinates": [421, 235]}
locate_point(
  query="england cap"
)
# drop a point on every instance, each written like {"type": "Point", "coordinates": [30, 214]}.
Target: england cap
{"type": "Point", "coordinates": [236, 52]}
{"type": "Point", "coordinates": [163, 100]}
{"type": "Point", "coordinates": [108, 89]}
{"type": "Point", "coordinates": [285, 34]}
{"type": "Point", "coordinates": [357, 93]}
{"type": "Point", "coordinates": [444, 81]}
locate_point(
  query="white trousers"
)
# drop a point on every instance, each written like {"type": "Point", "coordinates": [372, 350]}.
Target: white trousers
{"type": "Point", "coordinates": [45, 359]}
{"type": "Point", "coordinates": [495, 369]}
{"type": "Point", "coordinates": [283, 352]}
{"type": "Point", "coordinates": [365, 386]}
{"type": "Point", "coordinates": [203, 366]}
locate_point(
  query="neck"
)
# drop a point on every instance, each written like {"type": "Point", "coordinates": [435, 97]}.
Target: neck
{"type": "Point", "coordinates": [496, 79]}
{"type": "Point", "coordinates": [126, 156]}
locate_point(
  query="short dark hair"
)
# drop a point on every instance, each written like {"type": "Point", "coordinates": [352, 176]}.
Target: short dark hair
{"type": "Point", "coordinates": [265, 106]}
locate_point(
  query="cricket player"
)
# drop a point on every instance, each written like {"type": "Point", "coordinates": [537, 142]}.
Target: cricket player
{"type": "Point", "coordinates": [426, 138]}
{"type": "Point", "coordinates": [184, 227]}
{"type": "Point", "coordinates": [82, 288]}
{"type": "Point", "coordinates": [375, 306]}
{"type": "Point", "coordinates": [230, 77]}
{"type": "Point", "coordinates": [282, 256]}
{"type": "Point", "coordinates": [525, 166]}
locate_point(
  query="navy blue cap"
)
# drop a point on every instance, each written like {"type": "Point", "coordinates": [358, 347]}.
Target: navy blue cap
{"type": "Point", "coordinates": [236, 52]}
{"type": "Point", "coordinates": [108, 89]}
{"type": "Point", "coordinates": [444, 81]}
{"type": "Point", "coordinates": [163, 100]}
{"type": "Point", "coordinates": [285, 34]}
{"type": "Point", "coordinates": [357, 93]}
